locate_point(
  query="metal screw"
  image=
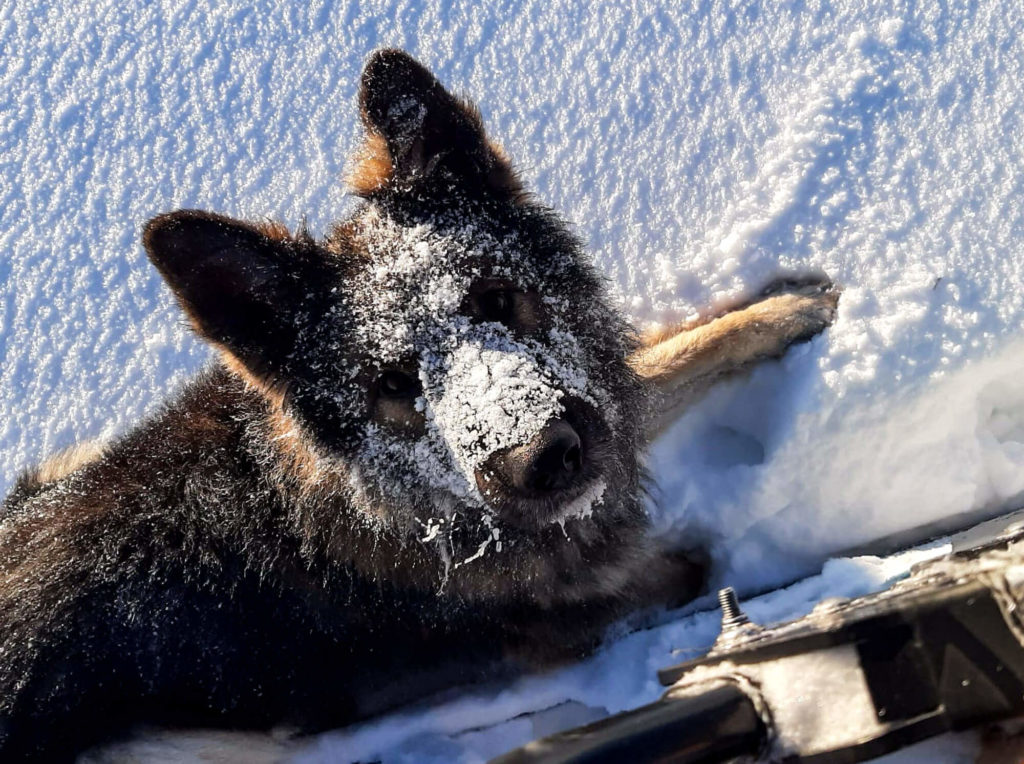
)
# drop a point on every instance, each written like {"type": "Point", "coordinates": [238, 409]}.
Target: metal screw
{"type": "Point", "coordinates": [731, 613]}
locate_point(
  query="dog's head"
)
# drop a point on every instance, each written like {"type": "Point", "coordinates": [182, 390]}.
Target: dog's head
{"type": "Point", "coordinates": [446, 356]}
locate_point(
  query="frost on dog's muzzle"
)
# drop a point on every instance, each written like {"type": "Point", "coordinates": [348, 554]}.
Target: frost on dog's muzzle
{"type": "Point", "coordinates": [482, 399]}
{"type": "Point", "coordinates": [489, 386]}
{"type": "Point", "coordinates": [501, 409]}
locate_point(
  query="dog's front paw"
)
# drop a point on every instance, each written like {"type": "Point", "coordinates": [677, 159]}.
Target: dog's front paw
{"type": "Point", "coordinates": [808, 284]}
{"type": "Point", "coordinates": [798, 308]}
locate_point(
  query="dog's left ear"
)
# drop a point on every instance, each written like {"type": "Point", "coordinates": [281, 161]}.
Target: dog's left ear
{"type": "Point", "coordinates": [248, 293]}
{"type": "Point", "coordinates": [417, 129]}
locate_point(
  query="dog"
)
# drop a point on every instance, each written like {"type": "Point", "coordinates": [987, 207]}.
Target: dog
{"type": "Point", "coordinates": [415, 464]}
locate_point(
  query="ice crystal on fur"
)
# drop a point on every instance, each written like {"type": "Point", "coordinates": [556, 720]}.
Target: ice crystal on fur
{"type": "Point", "coordinates": [584, 504]}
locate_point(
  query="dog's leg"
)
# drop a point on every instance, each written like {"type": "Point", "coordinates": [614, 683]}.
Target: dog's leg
{"type": "Point", "coordinates": [684, 362]}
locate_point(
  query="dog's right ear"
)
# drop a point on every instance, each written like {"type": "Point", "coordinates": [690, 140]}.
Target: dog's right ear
{"type": "Point", "coordinates": [242, 290]}
{"type": "Point", "coordinates": [416, 129]}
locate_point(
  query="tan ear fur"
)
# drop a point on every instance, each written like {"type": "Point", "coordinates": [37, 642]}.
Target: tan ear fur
{"type": "Point", "coordinates": [372, 166]}
{"type": "Point", "coordinates": [64, 462]}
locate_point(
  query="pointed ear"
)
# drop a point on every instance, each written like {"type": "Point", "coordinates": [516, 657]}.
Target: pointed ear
{"type": "Point", "coordinates": [416, 128]}
{"type": "Point", "coordinates": [241, 289]}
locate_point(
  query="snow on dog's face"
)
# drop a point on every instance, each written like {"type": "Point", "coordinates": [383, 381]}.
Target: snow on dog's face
{"type": "Point", "coordinates": [484, 391]}
{"type": "Point", "coordinates": [447, 351]}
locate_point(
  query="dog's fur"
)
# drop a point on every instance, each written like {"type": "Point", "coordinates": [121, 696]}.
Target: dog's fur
{"type": "Point", "coordinates": [357, 505]}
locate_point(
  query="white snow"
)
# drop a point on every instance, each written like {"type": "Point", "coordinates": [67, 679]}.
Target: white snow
{"type": "Point", "coordinates": [700, 148]}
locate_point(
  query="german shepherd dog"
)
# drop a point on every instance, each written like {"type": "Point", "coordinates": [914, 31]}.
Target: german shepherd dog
{"type": "Point", "coordinates": [416, 463]}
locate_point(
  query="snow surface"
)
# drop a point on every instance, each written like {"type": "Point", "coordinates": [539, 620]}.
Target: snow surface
{"type": "Point", "coordinates": [701, 147]}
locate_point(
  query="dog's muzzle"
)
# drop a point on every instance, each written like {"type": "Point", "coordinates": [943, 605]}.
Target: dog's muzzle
{"type": "Point", "coordinates": [530, 484]}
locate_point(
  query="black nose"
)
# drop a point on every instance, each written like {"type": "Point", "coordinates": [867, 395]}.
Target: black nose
{"type": "Point", "coordinates": [556, 461]}
{"type": "Point", "coordinates": [516, 481]}
{"type": "Point", "coordinates": [551, 461]}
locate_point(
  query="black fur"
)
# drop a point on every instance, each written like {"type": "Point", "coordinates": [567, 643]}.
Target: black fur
{"type": "Point", "coordinates": [240, 560]}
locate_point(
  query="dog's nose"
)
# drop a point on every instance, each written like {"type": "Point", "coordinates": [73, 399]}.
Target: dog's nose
{"type": "Point", "coordinates": [557, 459]}
{"type": "Point", "coordinates": [551, 461]}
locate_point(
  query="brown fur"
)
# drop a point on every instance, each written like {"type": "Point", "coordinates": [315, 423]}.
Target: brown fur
{"type": "Point", "coordinates": [371, 167]}
{"type": "Point", "coordinates": [274, 230]}
{"type": "Point", "coordinates": [274, 392]}
{"type": "Point", "coordinates": [504, 178]}
{"type": "Point", "coordinates": [72, 458]}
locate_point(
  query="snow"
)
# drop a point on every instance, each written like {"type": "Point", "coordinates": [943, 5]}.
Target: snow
{"type": "Point", "coordinates": [701, 148]}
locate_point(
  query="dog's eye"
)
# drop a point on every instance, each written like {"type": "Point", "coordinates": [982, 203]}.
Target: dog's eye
{"type": "Point", "coordinates": [497, 305]}
{"type": "Point", "coordinates": [395, 384]}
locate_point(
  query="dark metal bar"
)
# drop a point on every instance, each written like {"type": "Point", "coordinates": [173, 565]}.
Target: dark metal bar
{"type": "Point", "coordinates": [712, 727]}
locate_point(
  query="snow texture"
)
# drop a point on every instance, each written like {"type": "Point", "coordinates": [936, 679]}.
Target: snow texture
{"type": "Point", "coordinates": [701, 148]}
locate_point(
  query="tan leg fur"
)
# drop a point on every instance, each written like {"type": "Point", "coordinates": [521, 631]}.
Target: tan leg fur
{"type": "Point", "coordinates": [683, 363]}
{"type": "Point", "coordinates": [64, 462]}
